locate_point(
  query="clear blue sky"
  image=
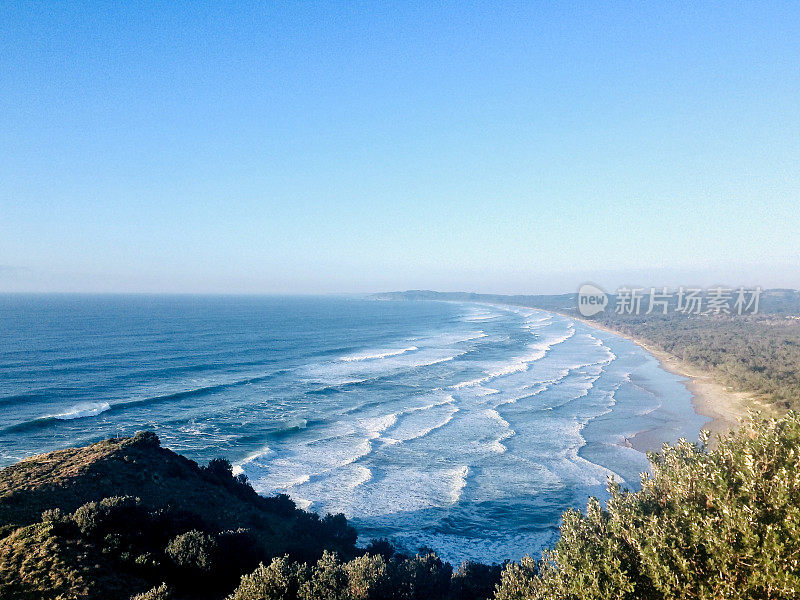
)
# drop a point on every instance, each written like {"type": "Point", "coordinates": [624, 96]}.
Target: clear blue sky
{"type": "Point", "coordinates": [350, 147]}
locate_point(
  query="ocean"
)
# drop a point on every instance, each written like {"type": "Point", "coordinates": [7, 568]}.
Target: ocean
{"type": "Point", "coordinates": [464, 427]}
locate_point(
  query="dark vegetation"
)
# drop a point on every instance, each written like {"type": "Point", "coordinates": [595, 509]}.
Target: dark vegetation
{"type": "Point", "coordinates": [707, 523]}
{"type": "Point", "coordinates": [371, 576]}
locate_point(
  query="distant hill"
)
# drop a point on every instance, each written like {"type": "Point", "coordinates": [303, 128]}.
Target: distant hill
{"type": "Point", "coordinates": [561, 302]}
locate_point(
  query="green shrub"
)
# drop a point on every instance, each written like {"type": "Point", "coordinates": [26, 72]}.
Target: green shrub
{"type": "Point", "coordinates": [193, 550]}
{"type": "Point", "coordinates": [146, 439]}
{"type": "Point", "coordinates": [706, 524]}
{"type": "Point", "coordinates": [369, 578]}
{"type": "Point", "coordinates": [520, 581]}
{"type": "Point", "coordinates": [328, 580]}
{"type": "Point", "coordinates": [425, 576]}
{"type": "Point", "coordinates": [474, 581]}
{"type": "Point", "coordinates": [280, 580]}
{"type": "Point", "coordinates": [117, 513]}
{"type": "Point", "coordinates": [53, 515]}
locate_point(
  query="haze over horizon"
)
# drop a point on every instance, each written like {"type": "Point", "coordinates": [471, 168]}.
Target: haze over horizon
{"type": "Point", "coordinates": [327, 149]}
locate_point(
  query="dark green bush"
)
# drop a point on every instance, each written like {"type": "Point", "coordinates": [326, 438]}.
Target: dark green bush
{"type": "Point", "coordinates": [367, 577]}
{"type": "Point", "coordinates": [220, 468]}
{"type": "Point", "coordinates": [146, 439]}
{"type": "Point", "coordinates": [281, 505]}
{"type": "Point", "coordinates": [118, 513]}
{"type": "Point", "coordinates": [474, 581]}
{"type": "Point", "coordinates": [237, 552]}
{"type": "Point", "coordinates": [425, 576]}
{"type": "Point", "coordinates": [382, 547]}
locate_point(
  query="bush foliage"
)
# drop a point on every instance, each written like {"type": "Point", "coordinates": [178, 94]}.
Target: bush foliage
{"type": "Point", "coordinates": [706, 524]}
{"type": "Point", "coordinates": [368, 577]}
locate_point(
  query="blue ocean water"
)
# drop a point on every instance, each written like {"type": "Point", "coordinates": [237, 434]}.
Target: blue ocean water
{"type": "Point", "coordinates": [465, 427]}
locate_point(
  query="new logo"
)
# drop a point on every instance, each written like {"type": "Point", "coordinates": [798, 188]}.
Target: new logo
{"type": "Point", "coordinates": [591, 300]}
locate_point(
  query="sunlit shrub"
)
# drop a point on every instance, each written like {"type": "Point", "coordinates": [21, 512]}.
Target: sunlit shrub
{"type": "Point", "coordinates": [706, 524]}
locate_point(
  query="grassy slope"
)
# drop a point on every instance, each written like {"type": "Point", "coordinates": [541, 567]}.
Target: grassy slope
{"type": "Point", "coordinates": [67, 479]}
{"type": "Point", "coordinates": [37, 562]}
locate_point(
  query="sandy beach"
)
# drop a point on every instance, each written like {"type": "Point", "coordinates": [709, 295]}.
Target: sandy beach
{"type": "Point", "coordinates": [723, 405]}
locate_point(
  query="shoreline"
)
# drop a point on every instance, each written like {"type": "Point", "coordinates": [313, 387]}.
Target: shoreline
{"type": "Point", "coordinates": [724, 406]}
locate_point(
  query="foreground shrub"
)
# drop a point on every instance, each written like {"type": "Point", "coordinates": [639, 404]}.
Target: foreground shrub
{"type": "Point", "coordinates": [474, 581]}
{"type": "Point", "coordinates": [425, 576]}
{"type": "Point", "coordinates": [193, 550]}
{"type": "Point", "coordinates": [369, 578]}
{"type": "Point", "coordinates": [520, 581]}
{"type": "Point", "coordinates": [706, 524]}
{"type": "Point", "coordinates": [328, 580]}
{"type": "Point", "coordinates": [280, 580]}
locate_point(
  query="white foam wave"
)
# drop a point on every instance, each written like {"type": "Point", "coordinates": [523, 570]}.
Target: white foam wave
{"type": "Point", "coordinates": [537, 351]}
{"type": "Point", "coordinates": [459, 481]}
{"type": "Point", "coordinates": [364, 476]}
{"type": "Point", "coordinates": [469, 383]}
{"type": "Point", "coordinates": [421, 422]}
{"type": "Point", "coordinates": [376, 354]}
{"type": "Point", "coordinates": [83, 410]}
{"type": "Point", "coordinates": [486, 392]}
{"type": "Point", "coordinates": [493, 414]}
{"type": "Point", "coordinates": [450, 339]}
{"type": "Point", "coordinates": [302, 503]}
{"type": "Point", "coordinates": [447, 400]}
{"type": "Point", "coordinates": [375, 425]}
{"type": "Point", "coordinates": [341, 372]}
{"type": "Point", "coordinates": [497, 445]}
{"type": "Point", "coordinates": [252, 457]}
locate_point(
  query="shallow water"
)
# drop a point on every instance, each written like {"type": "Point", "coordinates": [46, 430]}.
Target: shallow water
{"type": "Point", "coordinates": [465, 427]}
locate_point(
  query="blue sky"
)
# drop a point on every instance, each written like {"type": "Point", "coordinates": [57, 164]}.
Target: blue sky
{"type": "Point", "coordinates": [352, 147]}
